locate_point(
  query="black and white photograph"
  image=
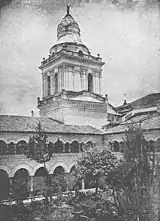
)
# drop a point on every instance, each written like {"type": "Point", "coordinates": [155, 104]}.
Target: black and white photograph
{"type": "Point", "coordinates": [79, 110]}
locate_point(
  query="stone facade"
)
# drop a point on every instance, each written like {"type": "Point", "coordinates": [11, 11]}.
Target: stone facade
{"type": "Point", "coordinates": [69, 69]}
{"type": "Point", "coordinates": [66, 142]}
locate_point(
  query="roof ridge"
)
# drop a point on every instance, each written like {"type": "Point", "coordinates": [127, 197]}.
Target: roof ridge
{"type": "Point", "coordinates": [58, 121]}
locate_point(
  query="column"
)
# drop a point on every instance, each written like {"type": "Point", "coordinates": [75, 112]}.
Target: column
{"type": "Point", "coordinates": [85, 82]}
{"type": "Point", "coordinates": [65, 80]}
{"type": "Point", "coordinates": [32, 185]}
{"type": "Point", "coordinates": [10, 186]}
{"type": "Point", "coordinates": [83, 185]}
{"type": "Point", "coordinates": [100, 84]}
{"type": "Point", "coordinates": [81, 87]}
{"type": "Point", "coordinates": [66, 175]}
{"type": "Point", "coordinates": [59, 81]}
{"type": "Point", "coordinates": [43, 85]}
{"type": "Point", "coordinates": [63, 148]}
{"type": "Point", "coordinates": [15, 148]}
{"type": "Point", "coordinates": [62, 79]}
{"type": "Point", "coordinates": [95, 84]}
{"type": "Point", "coordinates": [53, 82]}
{"type": "Point", "coordinates": [69, 148]}
{"type": "Point", "coordinates": [52, 89]}
{"type": "Point", "coordinates": [79, 148]}
{"type": "Point", "coordinates": [73, 80]}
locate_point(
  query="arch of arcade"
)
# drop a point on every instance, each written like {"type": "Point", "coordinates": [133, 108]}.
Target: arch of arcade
{"type": "Point", "coordinates": [15, 165]}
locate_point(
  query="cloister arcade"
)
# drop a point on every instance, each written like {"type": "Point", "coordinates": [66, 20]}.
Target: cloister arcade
{"type": "Point", "coordinates": [119, 145]}
{"type": "Point", "coordinates": [29, 184]}
{"type": "Point", "coordinates": [32, 177]}
{"type": "Point", "coordinates": [57, 147]}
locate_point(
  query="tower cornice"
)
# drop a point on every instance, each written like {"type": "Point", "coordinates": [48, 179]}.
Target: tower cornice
{"type": "Point", "coordinates": [72, 56]}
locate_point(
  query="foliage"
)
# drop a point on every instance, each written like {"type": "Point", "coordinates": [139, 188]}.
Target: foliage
{"type": "Point", "coordinates": [20, 189]}
{"type": "Point", "coordinates": [132, 180]}
{"type": "Point", "coordinates": [95, 167]}
{"type": "Point", "coordinates": [125, 184]}
{"type": "Point", "coordinates": [39, 151]}
{"type": "Point", "coordinates": [95, 206]}
{"type": "Point", "coordinates": [95, 164]}
{"type": "Point", "coordinates": [37, 146]}
{"type": "Point", "coordinates": [58, 183]}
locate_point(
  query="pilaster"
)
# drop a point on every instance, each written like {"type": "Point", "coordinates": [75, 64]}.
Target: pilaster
{"type": "Point", "coordinates": [43, 85]}
{"type": "Point", "coordinates": [95, 84]}
{"type": "Point", "coordinates": [100, 84]}
{"type": "Point", "coordinates": [62, 78]}
{"type": "Point", "coordinates": [85, 82]}
{"type": "Point", "coordinates": [52, 88]}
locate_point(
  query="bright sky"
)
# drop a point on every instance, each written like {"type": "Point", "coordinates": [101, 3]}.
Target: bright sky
{"type": "Point", "coordinates": [126, 35]}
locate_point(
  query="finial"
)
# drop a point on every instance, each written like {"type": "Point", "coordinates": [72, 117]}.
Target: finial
{"type": "Point", "coordinates": [68, 7]}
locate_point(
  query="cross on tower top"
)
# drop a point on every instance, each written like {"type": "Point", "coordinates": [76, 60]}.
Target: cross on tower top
{"type": "Point", "coordinates": [68, 8]}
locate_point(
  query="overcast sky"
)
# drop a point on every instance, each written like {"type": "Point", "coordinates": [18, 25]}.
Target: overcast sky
{"type": "Point", "coordinates": [126, 33]}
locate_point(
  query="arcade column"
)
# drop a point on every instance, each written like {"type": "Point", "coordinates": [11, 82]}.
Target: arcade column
{"type": "Point", "coordinates": [32, 185]}
{"type": "Point", "coordinates": [83, 185]}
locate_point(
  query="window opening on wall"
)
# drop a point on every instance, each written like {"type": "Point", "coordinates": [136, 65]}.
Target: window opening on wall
{"type": "Point", "coordinates": [80, 53]}
{"type": "Point", "coordinates": [90, 83]}
{"type": "Point", "coordinates": [56, 83]}
{"type": "Point", "coordinates": [49, 85]}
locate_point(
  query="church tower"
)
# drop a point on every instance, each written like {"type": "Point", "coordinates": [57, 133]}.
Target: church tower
{"type": "Point", "coordinates": [71, 79]}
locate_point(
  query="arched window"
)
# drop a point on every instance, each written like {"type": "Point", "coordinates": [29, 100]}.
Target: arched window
{"type": "Point", "coordinates": [116, 146]}
{"type": "Point", "coordinates": [56, 83]}
{"type": "Point", "coordinates": [67, 147]}
{"type": "Point", "coordinates": [49, 85]}
{"type": "Point", "coordinates": [151, 145]}
{"type": "Point", "coordinates": [21, 185]}
{"type": "Point", "coordinates": [3, 147]}
{"type": "Point", "coordinates": [89, 144]}
{"type": "Point", "coordinates": [58, 146]}
{"type": "Point", "coordinates": [59, 170]}
{"type": "Point", "coordinates": [74, 147]}
{"type": "Point", "coordinates": [4, 185]}
{"type": "Point", "coordinates": [157, 145]}
{"type": "Point", "coordinates": [41, 172]}
{"type": "Point", "coordinates": [72, 169]}
{"type": "Point", "coordinates": [80, 53]}
{"type": "Point", "coordinates": [59, 179]}
{"type": "Point", "coordinates": [90, 83]}
{"type": "Point", "coordinates": [122, 147]}
{"type": "Point", "coordinates": [50, 148]}
{"type": "Point", "coordinates": [11, 148]}
{"type": "Point", "coordinates": [39, 183]}
{"type": "Point", "coordinates": [21, 147]}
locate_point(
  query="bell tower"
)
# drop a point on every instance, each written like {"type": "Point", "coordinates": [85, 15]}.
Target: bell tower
{"type": "Point", "coordinates": [71, 76]}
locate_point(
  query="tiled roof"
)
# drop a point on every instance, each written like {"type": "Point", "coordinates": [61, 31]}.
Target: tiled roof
{"type": "Point", "coordinates": [149, 100]}
{"type": "Point", "coordinates": [147, 122]}
{"type": "Point", "coordinates": [12, 123]}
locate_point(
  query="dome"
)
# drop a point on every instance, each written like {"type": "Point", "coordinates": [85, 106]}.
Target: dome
{"type": "Point", "coordinates": [68, 30]}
